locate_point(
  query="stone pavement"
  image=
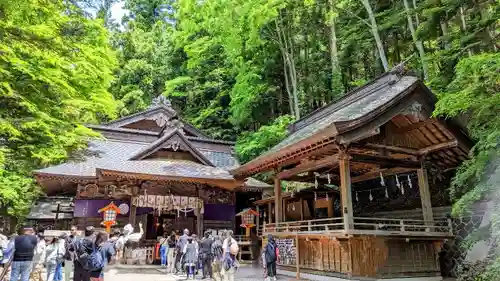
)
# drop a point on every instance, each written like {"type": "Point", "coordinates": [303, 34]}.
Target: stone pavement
{"type": "Point", "coordinates": [152, 274]}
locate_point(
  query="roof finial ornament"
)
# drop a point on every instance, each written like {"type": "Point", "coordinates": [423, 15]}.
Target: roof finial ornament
{"type": "Point", "coordinates": [161, 100]}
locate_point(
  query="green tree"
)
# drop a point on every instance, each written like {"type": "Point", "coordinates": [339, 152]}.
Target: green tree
{"type": "Point", "coordinates": [55, 68]}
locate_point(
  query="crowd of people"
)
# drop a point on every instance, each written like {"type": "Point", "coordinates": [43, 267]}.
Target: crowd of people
{"type": "Point", "coordinates": [85, 257]}
{"type": "Point", "coordinates": [25, 255]}
{"type": "Point", "coordinates": [212, 255]}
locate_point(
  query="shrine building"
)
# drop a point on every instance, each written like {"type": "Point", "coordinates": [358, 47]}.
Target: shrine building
{"type": "Point", "coordinates": [157, 169]}
{"type": "Point", "coordinates": [361, 185]}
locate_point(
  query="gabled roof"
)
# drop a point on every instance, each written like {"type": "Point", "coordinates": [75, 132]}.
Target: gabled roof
{"type": "Point", "coordinates": [356, 116]}
{"type": "Point", "coordinates": [174, 140]}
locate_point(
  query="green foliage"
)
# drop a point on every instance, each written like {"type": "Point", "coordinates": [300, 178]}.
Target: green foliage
{"type": "Point", "coordinates": [251, 145]}
{"type": "Point", "coordinates": [55, 68]}
{"type": "Point", "coordinates": [474, 92]}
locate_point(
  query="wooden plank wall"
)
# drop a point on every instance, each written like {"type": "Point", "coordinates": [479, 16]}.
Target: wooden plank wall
{"type": "Point", "coordinates": [325, 254]}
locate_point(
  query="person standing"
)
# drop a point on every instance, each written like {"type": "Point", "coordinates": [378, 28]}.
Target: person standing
{"type": "Point", "coordinates": [271, 256]}
{"type": "Point", "coordinates": [106, 250]}
{"type": "Point", "coordinates": [218, 256]}
{"type": "Point", "coordinates": [54, 257]}
{"type": "Point", "coordinates": [190, 252]}
{"type": "Point", "coordinates": [69, 256]}
{"type": "Point", "coordinates": [171, 241]}
{"type": "Point", "coordinates": [24, 250]}
{"type": "Point", "coordinates": [230, 248]}
{"type": "Point", "coordinates": [206, 255]}
{"type": "Point", "coordinates": [38, 258]}
{"type": "Point", "coordinates": [181, 242]}
{"type": "Point", "coordinates": [82, 246]}
{"type": "Point", "coordinates": [163, 250]}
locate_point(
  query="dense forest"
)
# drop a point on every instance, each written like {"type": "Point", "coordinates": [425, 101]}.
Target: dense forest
{"type": "Point", "coordinates": [239, 70]}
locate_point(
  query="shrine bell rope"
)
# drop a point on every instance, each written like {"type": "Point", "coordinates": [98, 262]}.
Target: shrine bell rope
{"type": "Point", "coordinates": [184, 204]}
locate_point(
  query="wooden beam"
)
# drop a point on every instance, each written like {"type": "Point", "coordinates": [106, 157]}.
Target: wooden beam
{"type": "Point", "coordinates": [412, 127]}
{"type": "Point", "coordinates": [464, 142]}
{"type": "Point", "coordinates": [309, 166]}
{"type": "Point", "coordinates": [385, 172]}
{"type": "Point", "coordinates": [278, 203]}
{"type": "Point", "coordinates": [425, 195]}
{"type": "Point", "coordinates": [405, 150]}
{"type": "Point", "coordinates": [345, 191]}
{"type": "Point", "coordinates": [385, 161]}
{"type": "Point", "coordinates": [439, 146]}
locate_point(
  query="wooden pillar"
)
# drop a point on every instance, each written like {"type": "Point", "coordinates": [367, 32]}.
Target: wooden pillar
{"type": "Point", "coordinates": [199, 222]}
{"type": "Point", "coordinates": [425, 195]}
{"type": "Point", "coordinates": [301, 201]}
{"type": "Point", "coordinates": [330, 207]}
{"type": "Point", "coordinates": [278, 204]}
{"type": "Point", "coordinates": [297, 257]}
{"type": "Point", "coordinates": [133, 208]}
{"type": "Point", "coordinates": [270, 212]}
{"type": "Point", "coordinates": [284, 209]}
{"type": "Point", "coordinates": [258, 220]}
{"type": "Point", "coordinates": [345, 191]}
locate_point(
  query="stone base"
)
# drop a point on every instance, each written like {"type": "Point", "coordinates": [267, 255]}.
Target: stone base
{"type": "Point", "coordinates": [314, 277]}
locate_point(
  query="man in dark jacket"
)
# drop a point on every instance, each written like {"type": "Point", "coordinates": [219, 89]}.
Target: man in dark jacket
{"type": "Point", "coordinates": [271, 255]}
{"type": "Point", "coordinates": [80, 246]}
{"type": "Point", "coordinates": [206, 255]}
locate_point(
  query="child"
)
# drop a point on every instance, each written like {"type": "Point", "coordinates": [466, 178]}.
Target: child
{"type": "Point", "coordinates": [190, 257]}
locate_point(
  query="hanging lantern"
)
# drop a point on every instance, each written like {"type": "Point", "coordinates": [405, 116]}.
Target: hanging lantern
{"type": "Point", "coordinates": [109, 215]}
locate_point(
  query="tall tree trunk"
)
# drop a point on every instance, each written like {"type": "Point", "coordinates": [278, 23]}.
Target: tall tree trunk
{"type": "Point", "coordinates": [374, 28]}
{"type": "Point", "coordinates": [417, 20]}
{"type": "Point", "coordinates": [464, 26]}
{"type": "Point", "coordinates": [334, 54]}
{"type": "Point", "coordinates": [416, 41]}
{"type": "Point", "coordinates": [444, 29]}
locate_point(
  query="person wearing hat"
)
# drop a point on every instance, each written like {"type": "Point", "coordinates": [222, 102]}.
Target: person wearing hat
{"type": "Point", "coordinates": [24, 251]}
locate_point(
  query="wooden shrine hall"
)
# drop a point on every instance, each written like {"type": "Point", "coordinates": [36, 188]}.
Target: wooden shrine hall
{"type": "Point", "coordinates": [158, 169]}
{"type": "Point", "coordinates": [370, 158]}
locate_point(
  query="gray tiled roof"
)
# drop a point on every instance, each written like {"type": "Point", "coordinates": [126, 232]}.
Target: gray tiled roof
{"type": "Point", "coordinates": [353, 106]}
{"type": "Point", "coordinates": [114, 155]}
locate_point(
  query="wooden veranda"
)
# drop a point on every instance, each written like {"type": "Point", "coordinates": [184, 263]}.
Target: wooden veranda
{"type": "Point", "coordinates": [367, 141]}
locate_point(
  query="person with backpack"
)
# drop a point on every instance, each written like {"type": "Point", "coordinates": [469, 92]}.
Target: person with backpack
{"type": "Point", "coordinates": [102, 253]}
{"type": "Point", "coordinates": [54, 256]}
{"type": "Point", "coordinates": [82, 248]}
{"type": "Point", "coordinates": [271, 254]}
{"type": "Point", "coordinates": [230, 250]}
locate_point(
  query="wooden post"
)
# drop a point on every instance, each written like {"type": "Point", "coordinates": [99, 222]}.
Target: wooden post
{"type": "Point", "coordinates": [345, 191]}
{"type": "Point", "coordinates": [133, 208]}
{"type": "Point", "coordinates": [330, 207]}
{"type": "Point", "coordinates": [278, 204]}
{"type": "Point", "coordinates": [425, 195]}
{"type": "Point", "coordinates": [270, 212]}
{"type": "Point", "coordinates": [301, 201]}
{"type": "Point", "coordinates": [258, 220]}
{"type": "Point", "coordinates": [285, 209]}
{"type": "Point", "coordinates": [297, 256]}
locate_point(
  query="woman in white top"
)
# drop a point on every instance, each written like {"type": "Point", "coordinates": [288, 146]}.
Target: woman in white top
{"type": "Point", "coordinates": [54, 256]}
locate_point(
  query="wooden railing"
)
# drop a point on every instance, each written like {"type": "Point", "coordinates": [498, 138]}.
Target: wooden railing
{"type": "Point", "coordinates": [439, 227]}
